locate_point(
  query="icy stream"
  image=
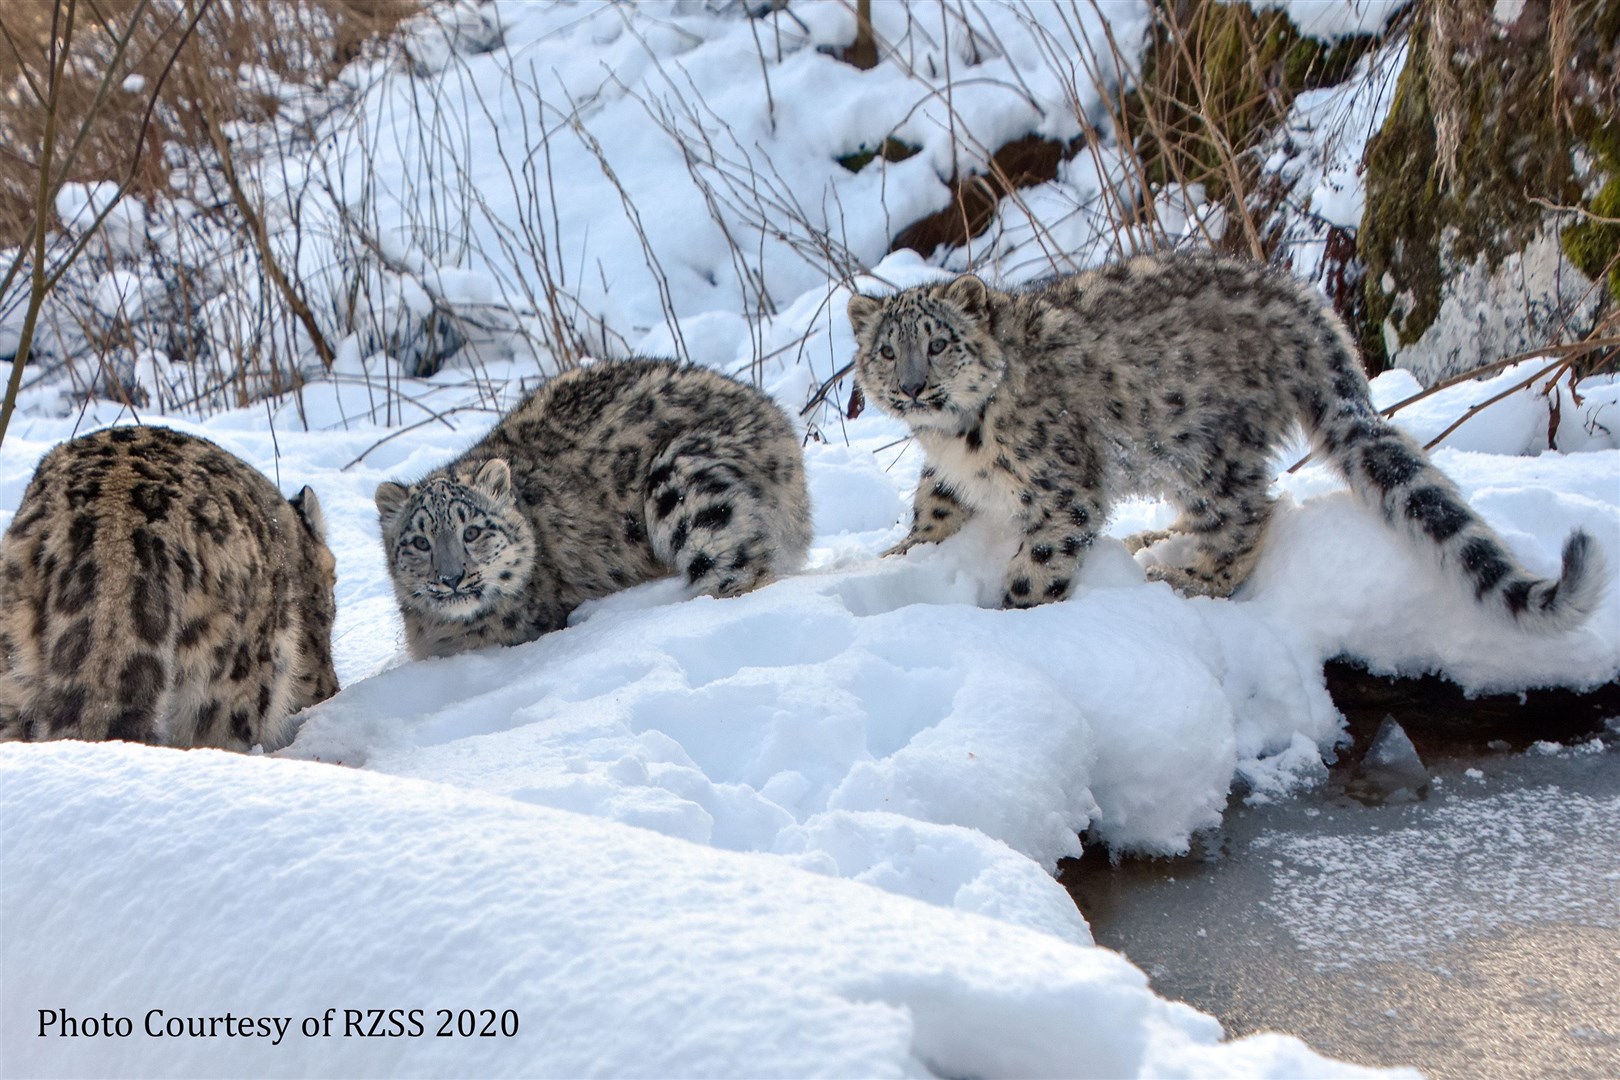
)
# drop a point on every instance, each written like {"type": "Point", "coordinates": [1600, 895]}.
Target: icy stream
{"type": "Point", "coordinates": [1472, 932]}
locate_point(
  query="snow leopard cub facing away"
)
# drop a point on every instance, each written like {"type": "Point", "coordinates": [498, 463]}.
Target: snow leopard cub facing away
{"type": "Point", "coordinates": [154, 588]}
{"type": "Point", "coordinates": [1175, 376]}
{"type": "Point", "coordinates": [605, 477]}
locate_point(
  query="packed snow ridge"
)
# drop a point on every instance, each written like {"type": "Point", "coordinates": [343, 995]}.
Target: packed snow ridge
{"type": "Point", "coordinates": [303, 895]}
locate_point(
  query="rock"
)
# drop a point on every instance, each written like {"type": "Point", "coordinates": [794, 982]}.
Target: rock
{"type": "Point", "coordinates": [1391, 770]}
{"type": "Point", "coordinates": [1502, 138]}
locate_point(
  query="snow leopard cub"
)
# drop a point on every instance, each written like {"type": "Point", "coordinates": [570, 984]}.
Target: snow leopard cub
{"type": "Point", "coordinates": [603, 478]}
{"type": "Point", "coordinates": [1175, 376]}
{"type": "Point", "coordinates": [154, 588]}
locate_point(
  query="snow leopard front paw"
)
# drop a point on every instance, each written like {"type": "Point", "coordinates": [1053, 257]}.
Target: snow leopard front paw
{"type": "Point", "coordinates": [1029, 584]}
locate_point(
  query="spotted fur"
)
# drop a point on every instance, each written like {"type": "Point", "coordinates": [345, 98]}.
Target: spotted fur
{"type": "Point", "coordinates": [605, 477]}
{"type": "Point", "coordinates": [1176, 376]}
{"type": "Point", "coordinates": [156, 589]}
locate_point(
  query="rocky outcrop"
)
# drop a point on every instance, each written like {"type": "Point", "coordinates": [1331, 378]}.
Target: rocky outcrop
{"type": "Point", "coordinates": [1479, 236]}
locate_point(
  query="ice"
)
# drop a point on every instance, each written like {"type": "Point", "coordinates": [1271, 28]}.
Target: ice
{"type": "Point", "coordinates": [1392, 752]}
{"type": "Point", "coordinates": [1449, 864]}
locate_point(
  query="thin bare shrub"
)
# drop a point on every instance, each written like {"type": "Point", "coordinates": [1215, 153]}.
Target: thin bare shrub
{"type": "Point", "coordinates": [280, 254]}
{"type": "Point", "coordinates": [111, 109]}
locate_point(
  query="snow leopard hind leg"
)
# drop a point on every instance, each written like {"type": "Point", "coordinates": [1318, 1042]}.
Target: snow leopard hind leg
{"type": "Point", "coordinates": [1227, 526]}
{"type": "Point", "coordinates": [728, 512]}
{"type": "Point", "coordinates": [1137, 541]}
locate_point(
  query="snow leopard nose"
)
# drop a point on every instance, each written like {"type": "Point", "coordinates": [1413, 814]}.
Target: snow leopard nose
{"type": "Point", "coordinates": [449, 560]}
{"type": "Point", "coordinates": [913, 376]}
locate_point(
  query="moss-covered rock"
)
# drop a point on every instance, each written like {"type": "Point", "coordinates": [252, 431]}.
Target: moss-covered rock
{"type": "Point", "coordinates": [1593, 242]}
{"type": "Point", "coordinates": [1494, 125]}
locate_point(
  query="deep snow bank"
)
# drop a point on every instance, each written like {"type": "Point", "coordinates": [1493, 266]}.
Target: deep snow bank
{"type": "Point", "coordinates": [201, 883]}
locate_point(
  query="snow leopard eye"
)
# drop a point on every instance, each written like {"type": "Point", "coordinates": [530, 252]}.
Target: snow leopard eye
{"type": "Point", "coordinates": [471, 533]}
{"type": "Point", "coordinates": [937, 346]}
{"type": "Point", "coordinates": [887, 352]}
{"type": "Point", "coordinates": [421, 543]}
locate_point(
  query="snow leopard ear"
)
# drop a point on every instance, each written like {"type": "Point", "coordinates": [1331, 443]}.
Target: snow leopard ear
{"type": "Point", "coordinates": [863, 310]}
{"type": "Point", "coordinates": [494, 479]}
{"type": "Point", "coordinates": [309, 508]}
{"type": "Point", "coordinates": [391, 498]}
{"type": "Point", "coordinates": [970, 294]}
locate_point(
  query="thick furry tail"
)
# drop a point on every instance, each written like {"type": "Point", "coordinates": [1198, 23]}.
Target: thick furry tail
{"type": "Point", "coordinates": [1391, 472]}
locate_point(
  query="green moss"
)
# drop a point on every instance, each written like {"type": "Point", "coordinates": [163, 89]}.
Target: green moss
{"type": "Point", "coordinates": [1605, 145]}
{"type": "Point", "coordinates": [1399, 236]}
{"type": "Point", "coordinates": [1515, 153]}
{"type": "Point", "coordinates": [1209, 71]}
{"type": "Point", "coordinates": [891, 149]}
{"type": "Point", "coordinates": [1593, 246]}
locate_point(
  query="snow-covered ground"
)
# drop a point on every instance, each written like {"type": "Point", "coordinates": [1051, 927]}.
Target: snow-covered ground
{"type": "Point", "coordinates": [299, 897]}
{"type": "Point", "coordinates": [812, 829]}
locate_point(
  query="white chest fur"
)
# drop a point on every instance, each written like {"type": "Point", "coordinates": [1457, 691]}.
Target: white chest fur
{"type": "Point", "coordinates": [971, 474]}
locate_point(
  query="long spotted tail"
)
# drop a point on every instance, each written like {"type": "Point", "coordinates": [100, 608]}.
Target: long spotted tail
{"type": "Point", "coordinates": [1391, 472]}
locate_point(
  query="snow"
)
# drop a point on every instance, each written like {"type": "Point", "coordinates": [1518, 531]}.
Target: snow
{"type": "Point", "coordinates": [635, 165]}
{"type": "Point", "coordinates": [124, 229]}
{"type": "Point", "coordinates": [307, 889]}
{"type": "Point", "coordinates": [673, 97]}
{"type": "Point", "coordinates": [809, 830]}
{"type": "Point", "coordinates": [1319, 150]}
{"type": "Point", "coordinates": [1330, 19]}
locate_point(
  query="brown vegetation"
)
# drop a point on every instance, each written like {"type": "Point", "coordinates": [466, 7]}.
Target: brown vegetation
{"type": "Point", "coordinates": [119, 51]}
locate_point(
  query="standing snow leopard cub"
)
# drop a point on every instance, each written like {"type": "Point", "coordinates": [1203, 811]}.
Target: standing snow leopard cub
{"type": "Point", "coordinates": [154, 588]}
{"type": "Point", "coordinates": [603, 478]}
{"type": "Point", "coordinates": [1175, 376]}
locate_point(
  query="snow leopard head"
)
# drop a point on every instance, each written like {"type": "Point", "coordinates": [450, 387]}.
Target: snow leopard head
{"type": "Point", "coordinates": [456, 543]}
{"type": "Point", "coordinates": [925, 354]}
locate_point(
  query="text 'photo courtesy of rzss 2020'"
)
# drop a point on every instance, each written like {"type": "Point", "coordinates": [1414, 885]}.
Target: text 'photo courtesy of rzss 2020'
{"type": "Point", "coordinates": [333, 1023]}
{"type": "Point", "coordinates": [1174, 376]}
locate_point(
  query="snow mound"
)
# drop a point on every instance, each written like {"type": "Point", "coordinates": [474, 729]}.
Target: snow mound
{"type": "Point", "coordinates": [285, 890]}
{"type": "Point", "coordinates": [821, 707]}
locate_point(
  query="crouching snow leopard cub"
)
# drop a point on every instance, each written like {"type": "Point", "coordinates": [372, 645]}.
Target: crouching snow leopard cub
{"type": "Point", "coordinates": [603, 478]}
{"type": "Point", "coordinates": [155, 588]}
{"type": "Point", "coordinates": [1175, 376]}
